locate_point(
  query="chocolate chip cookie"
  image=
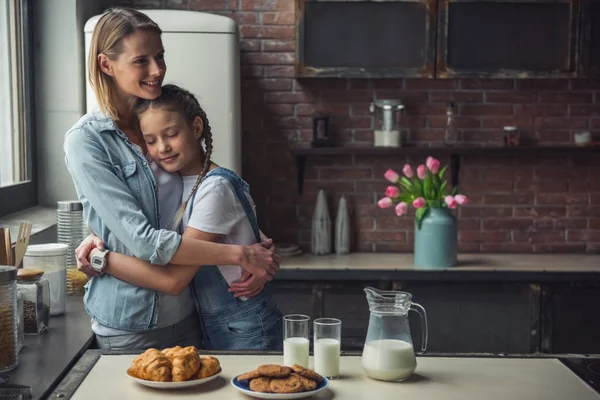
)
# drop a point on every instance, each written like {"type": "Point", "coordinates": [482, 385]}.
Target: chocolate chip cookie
{"type": "Point", "coordinates": [307, 373]}
{"type": "Point", "coordinates": [260, 384]}
{"type": "Point", "coordinates": [274, 371]}
{"type": "Point", "coordinates": [291, 384]}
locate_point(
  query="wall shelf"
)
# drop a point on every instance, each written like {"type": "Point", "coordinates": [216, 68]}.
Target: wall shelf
{"type": "Point", "coordinates": [455, 154]}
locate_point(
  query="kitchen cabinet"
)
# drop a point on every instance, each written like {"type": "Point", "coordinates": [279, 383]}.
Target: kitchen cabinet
{"type": "Point", "coordinates": [507, 38]}
{"type": "Point", "coordinates": [590, 39]}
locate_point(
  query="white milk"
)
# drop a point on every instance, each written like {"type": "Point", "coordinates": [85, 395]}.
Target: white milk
{"type": "Point", "coordinates": [327, 357]}
{"type": "Point", "coordinates": [389, 360]}
{"type": "Point", "coordinates": [295, 351]}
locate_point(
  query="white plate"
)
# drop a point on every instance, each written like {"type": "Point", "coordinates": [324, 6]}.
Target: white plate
{"type": "Point", "coordinates": [242, 386]}
{"type": "Point", "coordinates": [174, 385]}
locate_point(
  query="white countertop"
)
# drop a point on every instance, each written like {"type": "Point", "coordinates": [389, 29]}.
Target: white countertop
{"type": "Point", "coordinates": [467, 262]}
{"type": "Point", "coordinates": [435, 378]}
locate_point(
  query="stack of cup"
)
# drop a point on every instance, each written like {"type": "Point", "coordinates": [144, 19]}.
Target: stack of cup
{"type": "Point", "coordinates": [71, 231]}
{"type": "Point", "coordinates": [327, 334]}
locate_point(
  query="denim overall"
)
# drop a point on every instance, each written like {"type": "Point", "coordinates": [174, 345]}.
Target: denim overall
{"type": "Point", "coordinates": [231, 323]}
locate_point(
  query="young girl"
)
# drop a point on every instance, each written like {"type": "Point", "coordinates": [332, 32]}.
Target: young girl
{"type": "Point", "coordinates": [217, 207]}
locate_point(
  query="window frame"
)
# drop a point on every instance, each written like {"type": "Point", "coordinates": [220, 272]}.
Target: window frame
{"type": "Point", "coordinates": [24, 195]}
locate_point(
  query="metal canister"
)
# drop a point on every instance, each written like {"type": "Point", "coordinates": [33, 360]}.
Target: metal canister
{"type": "Point", "coordinates": [71, 231]}
{"type": "Point", "coordinates": [8, 318]}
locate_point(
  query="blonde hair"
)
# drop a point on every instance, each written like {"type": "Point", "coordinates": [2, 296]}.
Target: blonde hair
{"type": "Point", "coordinates": [174, 98]}
{"type": "Point", "coordinates": [112, 27]}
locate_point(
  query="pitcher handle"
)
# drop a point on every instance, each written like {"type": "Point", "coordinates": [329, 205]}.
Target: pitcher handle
{"type": "Point", "coordinates": [424, 332]}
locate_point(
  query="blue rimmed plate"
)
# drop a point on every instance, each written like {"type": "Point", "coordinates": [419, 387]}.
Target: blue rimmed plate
{"type": "Point", "coordinates": [174, 385]}
{"type": "Point", "coordinates": [244, 387]}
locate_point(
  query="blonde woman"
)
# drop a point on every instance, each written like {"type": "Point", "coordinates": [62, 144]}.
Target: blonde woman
{"type": "Point", "coordinates": [129, 202]}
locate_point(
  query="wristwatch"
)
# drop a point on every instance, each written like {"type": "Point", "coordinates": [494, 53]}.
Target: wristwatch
{"type": "Point", "coordinates": [99, 261]}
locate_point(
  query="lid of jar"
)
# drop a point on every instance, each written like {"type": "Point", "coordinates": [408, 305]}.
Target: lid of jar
{"type": "Point", "coordinates": [7, 273]}
{"type": "Point", "coordinates": [72, 205]}
{"type": "Point", "coordinates": [29, 274]}
{"type": "Point", "coordinates": [48, 249]}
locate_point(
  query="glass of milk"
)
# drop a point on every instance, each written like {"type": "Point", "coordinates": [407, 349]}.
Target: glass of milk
{"type": "Point", "coordinates": [295, 340]}
{"type": "Point", "coordinates": [327, 338]}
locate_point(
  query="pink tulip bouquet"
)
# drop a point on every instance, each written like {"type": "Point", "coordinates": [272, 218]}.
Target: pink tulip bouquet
{"type": "Point", "coordinates": [427, 189]}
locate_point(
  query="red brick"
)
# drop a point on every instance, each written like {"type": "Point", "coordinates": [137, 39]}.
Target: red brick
{"type": "Point", "coordinates": [584, 236]}
{"type": "Point", "coordinates": [581, 211]}
{"type": "Point", "coordinates": [345, 173]}
{"type": "Point", "coordinates": [427, 135]}
{"type": "Point", "coordinates": [430, 84]}
{"type": "Point", "coordinates": [540, 212]}
{"type": "Point", "coordinates": [521, 122]}
{"type": "Point", "coordinates": [563, 198]}
{"type": "Point", "coordinates": [278, 45]}
{"type": "Point", "coordinates": [271, 32]}
{"type": "Point", "coordinates": [485, 136]}
{"type": "Point", "coordinates": [378, 236]}
{"type": "Point", "coordinates": [539, 237]}
{"type": "Point", "coordinates": [427, 109]}
{"type": "Point", "coordinates": [541, 110]}
{"type": "Point", "coordinates": [544, 187]}
{"type": "Point", "coordinates": [281, 109]}
{"type": "Point", "coordinates": [585, 84]}
{"type": "Point", "coordinates": [244, 18]}
{"type": "Point", "coordinates": [330, 109]}
{"type": "Point", "coordinates": [487, 187]}
{"type": "Point", "coordinates": [587, 110]}
{"type": "Point", "coordinates": [279, 18]}
{"type": "Point", "coordinates": [562, 123]}
{"type": "Point", "coordinates": [392, 221]}
{"type": "Point", "coordinates": [207, 5]}
{"type": "Point", "coordinates": [252, 71]}
{"type": "Point", "coordinates": [373, 84]}
{"type": "Point", "coordinates": [516, 199]}
{"type": "Point", "coordinates": [497, 211]}
{"type": "Point", "coordinates": [566, 97]}
{"type": "Point", "coordinates": [510, 97]}
{"type": "Point", "coordinates": [289, 122]}
{"type": "Point", "coordinates": [342, 96]}
{"type": "Point", "coordinates": [288, 97]}
{"type": "Point", "coordinates": [481, 109]}
{"type": "Point", "coordinates": [464, 248]}
{"type": "Point", "coordinates": [507, 248]}
{"type": "Point", "coordinates": [483, 236]}
{"type": "Point", "coordinates": [459, 97]}
{"type": "Point", "coordinates": [460, 122]}
{"type": "Point", "coordinates": [507, 224]}
{"type": "Point", "coordinates": [594, 223]}
{"type": "Point", "coordinates": [542, 84]}
{"type": "Point", "coordinates": [559, 248]}
{"type": "Point", "coordinates": [366, 224]}
{"type": "Point", "coordinates": [492, 84]}
{"type": "Point", "coordinates": [249, 45]}
{"type": "Point", "coordinates": [277, 5]}
{"type": "Point", "coordinates": [280, 72]}
{"type": "Point", "coordinates": [276, 84]}
{"type": "Point", "coordinates": [409, 99]}
{"type": "Point", "coordinates": [393, 247]}
{"type": "Point", "coordinates": [325, 84]}
{"type": "Point", "coordinates": [553, 136]}
{"type": "Point", "coordinates": [268, 58]}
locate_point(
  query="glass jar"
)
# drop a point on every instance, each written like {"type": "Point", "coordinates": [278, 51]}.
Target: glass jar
{"type": "Point", "coordinates": [52, 259]}
{"type": "Point", "coordinates": [8, 318]}
{"type": "Point", "coordinates": [71, 231]}
{"type": "Point", "coordinates": [36, 300]}
{"type": "Point", "coordinates": [20, 322]}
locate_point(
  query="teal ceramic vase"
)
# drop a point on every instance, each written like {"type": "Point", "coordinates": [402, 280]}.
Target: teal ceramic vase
{"type": "Point", "coordinates": [436, 242]}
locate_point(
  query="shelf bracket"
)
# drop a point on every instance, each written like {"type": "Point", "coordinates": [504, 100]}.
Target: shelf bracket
{"type": "Point", "coordinates": [454, 169]}
{"type": "Point", "coordinates": [300, 165]}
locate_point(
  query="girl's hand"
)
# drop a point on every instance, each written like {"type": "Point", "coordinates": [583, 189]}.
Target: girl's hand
{"type": "Point", "coordinates": [247, 286]}
{"type": "Point", "coordinates": [83, 253]}
{"type": "Point", "coordinates": [260, 260]}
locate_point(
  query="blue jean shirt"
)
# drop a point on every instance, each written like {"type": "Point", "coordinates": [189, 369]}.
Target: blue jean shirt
{"type": "Point", "coordinates": [118, 191]}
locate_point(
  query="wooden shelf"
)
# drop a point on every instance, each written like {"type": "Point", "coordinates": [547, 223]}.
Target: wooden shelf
{"type": "Point", "coordinates": [455, 154]}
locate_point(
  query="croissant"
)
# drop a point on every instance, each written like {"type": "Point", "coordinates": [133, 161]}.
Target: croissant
{"type": "Point", "coordinates": [185, 364]}
{"type": "Point", "coordinates": [170, 351]}
{"type": "Point", "coordinates": [153, 366]}
{"type": "Point", "coordinates": [209, 366]}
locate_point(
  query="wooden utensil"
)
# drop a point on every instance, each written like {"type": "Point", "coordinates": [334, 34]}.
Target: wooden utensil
{"type": "Point", "coordinates": [22, 241]}
{"type": "Point", "coordinates": [3, 260]}
{"type": "Point", "coordinates": [8, 246]}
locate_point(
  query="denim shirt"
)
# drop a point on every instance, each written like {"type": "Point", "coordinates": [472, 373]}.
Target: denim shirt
{"type": "Point", "coordinates": [117, 189]}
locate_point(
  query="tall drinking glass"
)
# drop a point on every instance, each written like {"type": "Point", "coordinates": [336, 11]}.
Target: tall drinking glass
{"type": "Point", "coordinates": [327, 338]}
{"type": "Point", "coordinates": [295, 340]}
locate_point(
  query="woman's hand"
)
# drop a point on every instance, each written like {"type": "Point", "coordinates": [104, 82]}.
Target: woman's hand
{"type": "Point", "coordinates": [83, 251]}
{"type": "Point", "coordinates": [248, 286]}
{"type": "Point", "coordinates": [260, 260]}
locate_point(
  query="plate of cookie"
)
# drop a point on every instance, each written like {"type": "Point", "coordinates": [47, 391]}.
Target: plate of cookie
{"type": "Point", "coordinates": [272, 381]}
{"type": "Point", "coordinates": [173, 368]}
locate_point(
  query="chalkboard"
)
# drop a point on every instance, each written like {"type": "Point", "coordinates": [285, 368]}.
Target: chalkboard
{"type": "Point", "coordinates": [375, 38]}
{"type": "Point", "coordinates": [590, 39]}
{"type": "Point", "coordinates": [507, 37]}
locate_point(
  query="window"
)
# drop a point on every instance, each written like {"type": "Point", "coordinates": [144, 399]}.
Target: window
{"type": "Point", "coordinates": [17, 175]}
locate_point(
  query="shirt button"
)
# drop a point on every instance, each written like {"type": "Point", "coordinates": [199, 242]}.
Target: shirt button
{"type": "Point", "coordinates": [145, 164]}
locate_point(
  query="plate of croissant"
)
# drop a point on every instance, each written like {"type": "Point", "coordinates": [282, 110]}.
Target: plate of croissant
{"type": "Point", "coordinates": [272, 381]}
{"type": "Point", "coordinates": [173, 368]}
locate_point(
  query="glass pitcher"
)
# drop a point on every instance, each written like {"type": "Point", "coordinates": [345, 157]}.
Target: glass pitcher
{"type": "Point", "coordinates": [388, 354]}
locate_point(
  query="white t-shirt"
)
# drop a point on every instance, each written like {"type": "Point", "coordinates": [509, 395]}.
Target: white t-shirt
{"type": "Point", "coordinates": [216, 209]}
{"type": "Point", "coordinates": [171, 309]}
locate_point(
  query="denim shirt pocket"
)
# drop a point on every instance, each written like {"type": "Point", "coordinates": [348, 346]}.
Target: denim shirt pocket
{"type": "Point", "coordinates": [127, 172]}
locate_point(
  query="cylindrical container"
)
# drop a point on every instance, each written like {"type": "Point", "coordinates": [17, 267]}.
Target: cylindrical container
{"type": "Point", "coordinates": [36, 300]}
{"type": "Point", "coordinates": [295, 340]}
{"type": "Point", "coordinates": [52, 259]}
{"type": "Point", "coordinates": [20, 322]}
{"type": "Point", "coordinates": [327, 334]}
{"type": "Point", "coordinates": [71, 231]}
{"type": "Point", "coordinates": [8, 318]}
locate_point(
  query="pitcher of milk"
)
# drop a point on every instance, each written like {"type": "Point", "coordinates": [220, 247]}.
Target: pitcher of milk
{"type": "Point", "coordinates": [388, 354]}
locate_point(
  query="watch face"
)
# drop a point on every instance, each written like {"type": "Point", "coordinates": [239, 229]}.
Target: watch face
{"type": "Point", "coordinates": [97, 262]}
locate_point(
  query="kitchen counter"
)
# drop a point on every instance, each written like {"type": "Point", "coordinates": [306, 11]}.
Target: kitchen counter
{"type": "Point", "coordinates": [46, 358]}
{"type": "Point", "coordinates": [398, 266]}
{"type": "Point", "coordinates": [100, 376]}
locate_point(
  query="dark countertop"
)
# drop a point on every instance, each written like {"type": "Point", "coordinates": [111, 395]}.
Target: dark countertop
{"type": "Point", "coordinates": [45, 359]}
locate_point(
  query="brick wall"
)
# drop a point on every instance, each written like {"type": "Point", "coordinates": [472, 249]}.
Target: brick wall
{"type": "Point", "coordinates": [523, 204]}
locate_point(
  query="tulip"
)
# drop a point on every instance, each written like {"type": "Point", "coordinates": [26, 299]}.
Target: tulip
{"type": "Point", "coordinates": [461, 199]}
{"type": "Point", "coordinates": [407, 171]}
{"type": "Point", "coordinates": [433, 165]}
{"type": "Point", "coordinates": [451, 202]}
{"type": "Point", "coordinates": [401, 209]}
{"type": "Point", "coordinates": [421, 171]}
{"type": "Point", "coordinates": [392, 192]}
{"type": "Point", "coordinates": [419, 202]}
{"type": "Point", "coordinates": [391, 175]}
{"type": "Point", "coordinates": [385, 202]}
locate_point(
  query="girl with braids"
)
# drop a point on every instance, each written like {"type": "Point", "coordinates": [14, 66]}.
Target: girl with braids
{"type": "Point", "coordinates": [216, 206]}
{"type": "Point", "coordinates": [128, 201]}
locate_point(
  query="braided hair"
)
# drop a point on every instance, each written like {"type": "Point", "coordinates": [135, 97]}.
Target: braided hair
{"type": "Point", "coordinates": [174, 98]}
